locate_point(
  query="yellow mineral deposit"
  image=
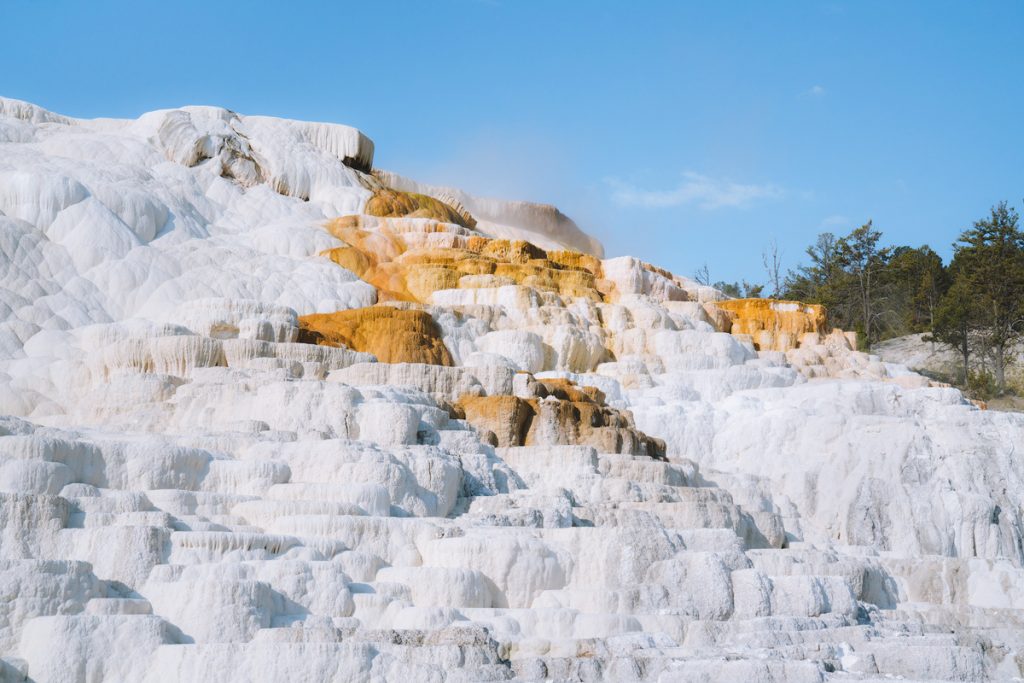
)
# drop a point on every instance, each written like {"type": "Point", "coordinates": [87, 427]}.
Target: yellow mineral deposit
{"type": "Point", "coordinates": [559, 413]}
{"type": "Point", "coordinates": [393, 335]}
{"type": "Point", "coordinates": [397, 204]}
{"type": "Point", "coordinates": [408, 260]}
{"type": "Point", "coordinates": [773, 325]}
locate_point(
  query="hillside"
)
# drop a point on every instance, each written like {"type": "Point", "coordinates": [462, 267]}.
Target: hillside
{"type": "Point", "coordinates": [938, 360]}
{"type": "Point", "coordinates": [270, 413]}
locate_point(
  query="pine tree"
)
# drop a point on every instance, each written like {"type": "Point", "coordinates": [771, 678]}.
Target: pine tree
{"type": "Point", "coordinates": [916, 280]}
{"type": "Point", "coordinates": [864, 261]}
{"type": "Point", "coordinates": [990, 257]}
{"type": "Point", "coordinates": [957, 320]}
{"type": "Point", "coordinates": [822, 280]}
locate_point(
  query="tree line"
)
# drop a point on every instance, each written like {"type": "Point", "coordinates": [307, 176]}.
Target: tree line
{"type": "Point", "coordinates": [974, 304]}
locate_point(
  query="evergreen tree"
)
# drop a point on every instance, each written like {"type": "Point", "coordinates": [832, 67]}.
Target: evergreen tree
{"type": "Point", "coordinates": [740, 290]}
{"type": "Point", "coordinates": [822, 281]}
{"type": "Point", "coordinates": [916, 280]}
{"type": "Point", "coordinates": [976, 305]}
{"type": "Point", "coordinates": [957, 320]}
{"type": "Point", "coordinates": [990, 257]}
{"type": "Point", "coordinates": [864, 262]}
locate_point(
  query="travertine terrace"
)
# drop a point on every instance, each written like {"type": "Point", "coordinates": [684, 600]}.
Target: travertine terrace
{"type": "Point", "coordinates": [272, 414]}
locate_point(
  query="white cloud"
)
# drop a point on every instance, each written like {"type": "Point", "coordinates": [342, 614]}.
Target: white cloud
{"type": "Point", "coordinates": [834, 221]}
{"type": "Point", "coordinates": [700, 190]}
{"type": "Point", "coordinates": [816, 91]}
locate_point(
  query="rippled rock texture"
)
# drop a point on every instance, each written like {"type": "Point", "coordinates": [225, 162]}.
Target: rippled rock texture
{"type": "Point", "coordinates": [271, 414]}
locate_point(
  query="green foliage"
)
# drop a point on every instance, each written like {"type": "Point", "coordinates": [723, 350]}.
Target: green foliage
{"type": "Point", "coordinates": [817, 281]}
{"type": "Point", "coordinates": [957, 317]}
{"type": "Point", "coordinates": [982, 384]}
{"type": "Point", "coordinates": [743, 290]}
{"type": "Point", "coordinates": [880, 292]}
{"type": "Point", "coordinates": [918, 280]}
{"type": "Point", "coordinates": [864, 264]}
{"type": "Point", "coordinates": [975, 305]}
{"type": "Point", "coordinates": [989, 257]}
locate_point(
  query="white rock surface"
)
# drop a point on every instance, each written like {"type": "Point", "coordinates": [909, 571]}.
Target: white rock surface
{"type": "Point", "coordinates": [188, 493]}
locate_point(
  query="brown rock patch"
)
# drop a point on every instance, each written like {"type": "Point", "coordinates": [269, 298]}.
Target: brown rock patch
{"type": "Point", "coordinates": [407, 262]}
{"type": "Point", "coordinates": [393, 335]}
{"type": "Point", "coordinates": [576, 416]}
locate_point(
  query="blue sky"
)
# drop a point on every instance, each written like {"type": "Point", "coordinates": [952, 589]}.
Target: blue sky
{"type": "Point", "coordinates": [682, 133]}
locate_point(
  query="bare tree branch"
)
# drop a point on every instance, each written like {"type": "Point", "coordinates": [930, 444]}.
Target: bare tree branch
{"type": "Point", "coordinates": [771, 257]}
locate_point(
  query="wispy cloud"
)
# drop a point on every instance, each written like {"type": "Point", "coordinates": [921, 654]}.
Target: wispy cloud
{"type": "Point", "coordinates": [834, 221]}
{"type": "Point", "coordinates": [696, 189]}
{"type": "Point", "coordinates": [816, 91]}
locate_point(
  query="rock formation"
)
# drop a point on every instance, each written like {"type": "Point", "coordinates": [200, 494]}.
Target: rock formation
{"type": "Point", "coordinates": [392, 335]}
{"type": "Point", "coordinates": [268, 415]}
{"type": "Point", "coordinates": [388, 202]}
{"type": "Point", "coordinates": [409, 260]}
{"type": "Point", "coordinates": [557, 412]}
{"type": "Point", "coordinates": [773, 325]}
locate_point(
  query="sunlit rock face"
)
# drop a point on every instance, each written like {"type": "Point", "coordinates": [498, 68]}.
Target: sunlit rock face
{"type": "Point", "coordinates": [270, 414]}
{"type": "Point", "coordinates": [391, 334]}
{"type": "Point", "coordinates": [773, 325]}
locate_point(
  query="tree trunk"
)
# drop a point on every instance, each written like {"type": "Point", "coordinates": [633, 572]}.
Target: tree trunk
{"type": "Point", "coordinates": [1000, 363]}
{"type": "Point", "coordinates": [866, 297]}
{"type": "Point", "coordinates": [965, 350]}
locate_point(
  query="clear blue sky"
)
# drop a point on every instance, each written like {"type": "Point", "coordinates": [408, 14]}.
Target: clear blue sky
{"type": "Point", "coordinates": [682, 133]}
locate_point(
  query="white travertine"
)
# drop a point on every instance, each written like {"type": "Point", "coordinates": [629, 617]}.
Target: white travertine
{"type": "Point", "coordinates": [190, 492]}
